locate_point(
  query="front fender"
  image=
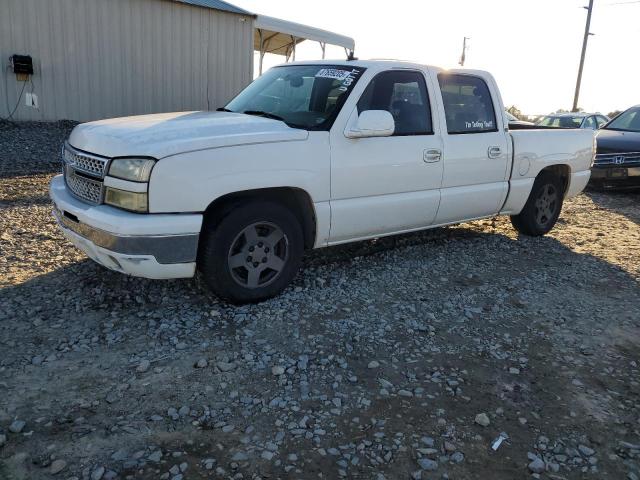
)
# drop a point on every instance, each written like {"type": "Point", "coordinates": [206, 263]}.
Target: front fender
{"type": "Point", "coordinates": [190, 182]}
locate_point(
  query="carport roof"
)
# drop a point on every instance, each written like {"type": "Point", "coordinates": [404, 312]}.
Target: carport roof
{"type": "Point", "coordinates": [217, 5]}
{"type": "Point", "coordinates": [274, 35]}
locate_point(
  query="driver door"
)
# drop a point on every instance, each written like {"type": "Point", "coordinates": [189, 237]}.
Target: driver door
{"type": "Point", "coordinates": [385, 185]}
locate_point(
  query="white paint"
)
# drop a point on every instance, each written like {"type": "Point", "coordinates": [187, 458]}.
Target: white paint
{"type": "Point", "coordinates": [166, 134]}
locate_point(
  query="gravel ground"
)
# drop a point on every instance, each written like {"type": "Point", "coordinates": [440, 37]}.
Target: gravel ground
{"type": "Point", "coordinates": [403, 358]}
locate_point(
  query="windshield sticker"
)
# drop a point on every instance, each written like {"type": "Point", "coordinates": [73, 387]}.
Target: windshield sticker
{"type": "Point", "coordinates": [333, 73]}
{"type": "Point", "coordinates": [482, 124]}
{"type": "Point", "coordinates": [348, 81]}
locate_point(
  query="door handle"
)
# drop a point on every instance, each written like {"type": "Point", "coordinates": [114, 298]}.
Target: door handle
{"type": "Point", "coordinates": [494, 152]}
{"type": "Point", "coordinates": [432, 156]}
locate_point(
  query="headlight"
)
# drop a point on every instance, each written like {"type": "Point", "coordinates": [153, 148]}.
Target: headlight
{"type": "Point", "coordinates": [134, 201]}
{"type": "Point", "coordinates": [134, 169]}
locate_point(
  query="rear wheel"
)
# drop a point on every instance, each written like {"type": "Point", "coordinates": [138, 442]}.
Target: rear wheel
{"type": "Point", "coordinates": [543, 206]}
{"type": "Point", "coordinates": [252, 253]}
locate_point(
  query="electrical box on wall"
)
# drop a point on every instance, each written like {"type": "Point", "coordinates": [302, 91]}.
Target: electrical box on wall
{"type": "Point", "coordinates": [22, 64]}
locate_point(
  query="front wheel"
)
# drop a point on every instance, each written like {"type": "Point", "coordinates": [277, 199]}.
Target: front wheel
{"type": "Point", "coordinates": [543, 206]}
{"type": "Point", "coordinates": [252, 253]}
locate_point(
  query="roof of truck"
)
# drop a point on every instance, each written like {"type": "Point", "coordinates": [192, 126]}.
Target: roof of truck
{"type": "Point", "coordinates": [366, 63]}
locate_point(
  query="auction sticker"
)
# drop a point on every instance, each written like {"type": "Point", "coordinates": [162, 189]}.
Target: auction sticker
{"type": "Point", "coordinates": [333, 73]}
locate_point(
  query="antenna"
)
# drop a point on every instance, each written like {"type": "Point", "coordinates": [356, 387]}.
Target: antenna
{"type": "Point", "coordinates": [463, 57]}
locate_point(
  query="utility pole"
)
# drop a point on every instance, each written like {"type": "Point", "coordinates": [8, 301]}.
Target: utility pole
{"type": "Point", "coordinates": [584, 52]}
{"type": "Point", "coordinates": [463, 57]}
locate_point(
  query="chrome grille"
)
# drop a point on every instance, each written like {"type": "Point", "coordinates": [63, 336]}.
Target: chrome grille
{"type": "Point", "coordinates": [86, 188]}
{"type": "Point", "coordinates": [84, 162]}
{"type": "Point", "coordinates": [83, 174]}
{"type": "Point", "coordinates": [618, 158]}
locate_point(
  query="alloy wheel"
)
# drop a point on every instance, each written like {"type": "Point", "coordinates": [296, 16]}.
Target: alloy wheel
{"type": "Point", "coordinates": [258, 255]}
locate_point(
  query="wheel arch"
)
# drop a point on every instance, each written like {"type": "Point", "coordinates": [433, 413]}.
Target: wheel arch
{"type": "Point", "coordinates": [561, 170]}
{"type": "Point", "coordinates": [296, 199]}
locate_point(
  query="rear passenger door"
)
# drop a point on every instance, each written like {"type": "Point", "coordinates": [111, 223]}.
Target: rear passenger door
{"type": "Point", "coordinates": [476, 150]}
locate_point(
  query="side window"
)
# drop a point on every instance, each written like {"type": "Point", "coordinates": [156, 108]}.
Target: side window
{"type": "Point", "coordinates": [404, 95]}
{"type": "Point", "coordinates": [601, 121]}
{"type": "Point", "coordinates": [468, 105]}
{"type": "Point", "coordinates": [590, 122]}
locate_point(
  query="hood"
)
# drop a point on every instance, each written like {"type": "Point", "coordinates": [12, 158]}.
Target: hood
{"type": "Point", "coordinates": [167, 134]}
{"type": "Point", "coordinates": [616, 141]}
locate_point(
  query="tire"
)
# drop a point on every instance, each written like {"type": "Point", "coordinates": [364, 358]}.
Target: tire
{"type": "Point", "coordinates": [543, 206]}
{"type": "Point", "coordinates": [252, 253]}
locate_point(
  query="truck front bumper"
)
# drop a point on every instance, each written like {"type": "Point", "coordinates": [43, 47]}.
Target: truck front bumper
{"type": "Point", "coordinates": [155, 246]}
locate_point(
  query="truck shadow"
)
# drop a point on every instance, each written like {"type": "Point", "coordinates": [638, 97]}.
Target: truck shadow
{"type": "Point", "coordinates": [624, 202]}
{"type": "Point", "coordinates": [81, 280]}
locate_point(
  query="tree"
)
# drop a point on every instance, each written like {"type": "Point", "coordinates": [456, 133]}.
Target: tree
{"type": "Point", "coordinates": [614, 114]}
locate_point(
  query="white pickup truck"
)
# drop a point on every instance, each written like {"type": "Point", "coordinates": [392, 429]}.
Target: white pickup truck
{"type": "Point", "coordinates": [309, 155]}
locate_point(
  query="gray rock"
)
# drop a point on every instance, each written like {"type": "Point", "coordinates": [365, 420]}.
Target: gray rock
{"type": "Point", "coordinates": [428, 441]}
{"type": "Point", "coordinates": [155, 457]}
{"type": "Point", "coordinates": [537, 466]}
{"type": "Point", "coordinates": [143, 366]}
{"type": "Point", "coordinates": [202, 363]}
{"type": "Point", "coordinates": [225, 366]}
{"type": "Point", "coordinates": [482, 419]}
{"type": "Point", "coordinates": [57, 466]}
{"type": "Point", "coordinates": [98, 473]}
{"type": "Point", "coordinates": [17, 426]}
{"type": "Point", "coordinates": [586, 451]}
{"type": "Point", "coordinates": [240, 457]}
{"type": "Point", "coordinates": [3, 440]}
{"type": "Point", "coordinates": [277, 370]}
{"type": "Point", "coordinates": [457, 457]}
{"type": "Point", "coordinates": [428, 464]}
{"type": "Point", "coordinates": [373, 364]}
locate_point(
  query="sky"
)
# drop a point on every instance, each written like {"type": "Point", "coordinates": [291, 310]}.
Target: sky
{"type": "Point", "coordinates": [532, 47]}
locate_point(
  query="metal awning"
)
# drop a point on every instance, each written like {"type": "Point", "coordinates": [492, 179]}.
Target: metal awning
{"type": "Point", "coordinates": [280, 37]}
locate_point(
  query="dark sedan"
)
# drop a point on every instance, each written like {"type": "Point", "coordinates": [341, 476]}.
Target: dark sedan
{"type": "Point", "coordinates": [617, 162]}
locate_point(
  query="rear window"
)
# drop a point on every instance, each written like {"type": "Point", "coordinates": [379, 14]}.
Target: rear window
{"type": "Point", "coordinates": [561, 122]}
{"type": "Point", "coordinates": [468, 105]}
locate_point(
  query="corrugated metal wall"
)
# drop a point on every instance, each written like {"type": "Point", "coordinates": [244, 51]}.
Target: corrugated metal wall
{"type": "Point", "coordinates": [107, 58]}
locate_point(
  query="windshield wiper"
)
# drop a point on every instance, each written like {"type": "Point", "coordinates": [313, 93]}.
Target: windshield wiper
{"type": "Point", "coordinates": [273, 116]}
{"type": "Point", "coordinates": [261, 113]}
{"type": "Point", "coordinates": [224, 109]}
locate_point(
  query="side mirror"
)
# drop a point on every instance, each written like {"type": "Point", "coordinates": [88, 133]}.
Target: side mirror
{"type": "Point", "coordinates": [373, 123]}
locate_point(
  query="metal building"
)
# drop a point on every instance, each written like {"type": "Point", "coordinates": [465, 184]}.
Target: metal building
{"type": "Point", "coordinates": [93, 59]}
{"type": "Point", "coordinates": [108, 58]}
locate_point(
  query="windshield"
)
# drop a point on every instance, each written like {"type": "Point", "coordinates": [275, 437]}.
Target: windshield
{"type": "Point", "coordinates": [629, 121]}
{"type": "Point", "coordinates": [303, 96]}
{"type": "Point", "coordinates": [561, 122]}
